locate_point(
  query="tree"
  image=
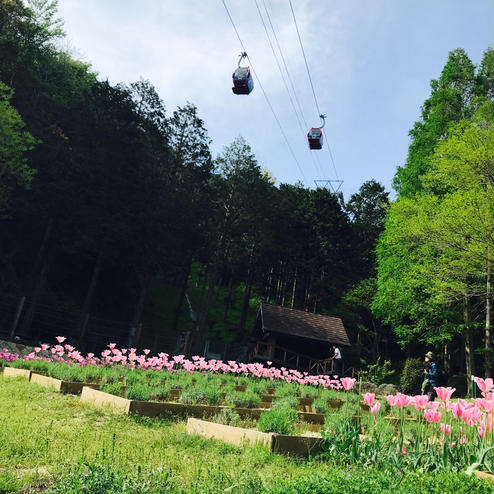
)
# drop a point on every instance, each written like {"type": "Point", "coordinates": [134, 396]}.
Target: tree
{"type": "Point", "coordinates": [15, 141]}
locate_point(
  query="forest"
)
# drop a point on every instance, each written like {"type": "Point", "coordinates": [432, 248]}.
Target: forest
{"type": "Point", "coordinates": [116, 222]}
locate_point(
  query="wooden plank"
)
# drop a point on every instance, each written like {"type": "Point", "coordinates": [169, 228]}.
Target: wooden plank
{"type": "Point", "coordinates": [102, 400]}
{"type": "Point", "coordinates": [227, 433]}
{"type": "Point", "coordinates": [14, 372]}
{"type": "Point", "coordinates": [303, 446]}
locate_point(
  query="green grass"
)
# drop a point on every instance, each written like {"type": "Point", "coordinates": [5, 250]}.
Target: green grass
{"type": "Point", "coordinates": [46, 435]}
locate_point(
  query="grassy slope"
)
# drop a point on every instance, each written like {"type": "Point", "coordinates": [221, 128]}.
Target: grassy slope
{"type": "Point", "coordinates": [44, 434]}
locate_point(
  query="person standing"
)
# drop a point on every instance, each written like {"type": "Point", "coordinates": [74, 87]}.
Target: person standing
{"type": "Point", "coordinates": [431, 376]}
{"type": "Point", "coordinates": [338, 361]}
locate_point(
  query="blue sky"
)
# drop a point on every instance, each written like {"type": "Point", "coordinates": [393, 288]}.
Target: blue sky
{"type": "Point", "coordinates": [371, 63]}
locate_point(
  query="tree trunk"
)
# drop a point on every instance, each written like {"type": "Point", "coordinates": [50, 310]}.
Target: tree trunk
{"type": "Point", "coordinates": [488, 362]}
{"type": "Point", "coordinates": [89, 296]}
{"type": "Point", "coordinates": [294, 288]}
{"type": "Point", "coordinates": [203, 315]}
{"type": "Point", "coordinates": [228, 297]}
{"type": "Point", "coordinates": [245, 305]}
{"type": "Point", "coordinates": [33, 302]}
{"type": "Point", "coordinates": [136, 319]}
{"type": "Point", "coordinates": [270, 279]}
{"type": "Point", "coordinates": [447, 357]}
{"type": "Point", "coordinates": [184, 283]}
{"type": "Point", "coordinates": [37, 280]}
{"type": "Point", "coordinates": [469, 344]}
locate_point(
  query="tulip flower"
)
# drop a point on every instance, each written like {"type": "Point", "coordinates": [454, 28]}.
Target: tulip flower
{"type": "Point", "coordinates": [348, 382]}
{"type": "Point", "coordinates": [446, 429]}
{"type": "Point", "coordinates": [485, 385]}
{"type": "Point", "coordinates": [369, 398]}
{"type": "Point", "coordinates": [60, 339]}
{"type": "Point", "coordinates": [420, 402]}
{"type": "Point", "coordinates": [432, 416]}
{"type": "Point", "coordinates": [444, 394]}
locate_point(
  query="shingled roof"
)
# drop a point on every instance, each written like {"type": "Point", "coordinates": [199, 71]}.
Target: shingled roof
{"type": "Point", "coordinates": [294, 322]}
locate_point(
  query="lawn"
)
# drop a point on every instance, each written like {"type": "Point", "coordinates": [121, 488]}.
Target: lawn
{"type": "Point", "coordinates": [52, 441]}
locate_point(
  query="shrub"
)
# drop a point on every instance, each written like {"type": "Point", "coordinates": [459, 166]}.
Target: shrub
{"type": "Point", "coordinates": [161, 392]}
{"type": "Point", "coordinates": [286, 390]}
{"type": "Point", "coordinates": [288, 401]}
{"type": "Point", "coordinates": [138, 391]}
{"type": "Point", "coordinates": [320, 405]}
{"type": "Point", "coordinates": [227, 416]}
{"type": "Point", "coordinates": [200, 395]}
{"type": "Point", "coordinates": [248, 399]}
{"type": "Point", "coordinates": [279, 420]}
{"type": "Point", "coordinates": [378, 373]}
{"type": "Point", "coordinates": [412, 376]}
{"type": "Point", "coordinates": [114, 388]}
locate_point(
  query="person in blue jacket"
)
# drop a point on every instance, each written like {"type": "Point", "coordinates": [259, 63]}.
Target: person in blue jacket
{"type": "Point", "coordinates": [431, 376]}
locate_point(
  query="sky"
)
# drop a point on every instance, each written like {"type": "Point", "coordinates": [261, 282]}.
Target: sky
{"type": "Point", "coordinates": [371, 63]}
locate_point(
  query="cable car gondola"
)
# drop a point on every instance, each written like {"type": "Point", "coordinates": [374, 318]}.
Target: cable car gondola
{"type": "Point", "coordinates": [243, 83]}
{"type": "Point", "coordinates": [315, 135]}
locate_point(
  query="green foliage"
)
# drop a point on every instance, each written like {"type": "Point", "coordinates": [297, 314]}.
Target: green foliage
{"type": "Point", "coordinates": [113, 388]}
{"type": "Point", "coordinates": [102, 479]}
{"type": "Point", "coordinates": [200, 395]}
{"type": "Point", "coordinates": [247, 399]}
{"type": "Point", "coordinates": [320, 405]}
{"type": "Point", "coordinates": [15, 141]}
{"type": "Point", "coordinates": [280, 420]}
{"type": "Point", "coordinates": [378, 373]}
{"type": "Point", "coordinates": [138, 391]}
{"type": "Point", "coordinates": [412, 376]}
{"type": "Point", "coordinates": [228, 416]}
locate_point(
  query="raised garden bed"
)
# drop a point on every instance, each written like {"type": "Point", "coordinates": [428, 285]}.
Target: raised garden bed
{"type": "Point", "coordinates": [13, 372]}
{"type": "Point", "coordinates": [484, 475]}
{"type": "Point", "coordinates": [69, 387]}
{"type": "Point", "coordinates": [303, 446]}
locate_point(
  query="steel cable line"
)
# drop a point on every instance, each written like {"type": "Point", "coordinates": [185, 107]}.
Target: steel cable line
{"type": "Point", "coordinates": [264, 93]}
{"type": "Point", "coordinates": [283, 77]}
{"type": "Point", "coordinates": [311, 84]}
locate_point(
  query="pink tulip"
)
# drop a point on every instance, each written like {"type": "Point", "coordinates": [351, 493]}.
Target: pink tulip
{"type": "Point", "coordinates": [391, 399]}
{"type": "Point", "coordinates": [432, 416]}
{"type": "Point", "coordinates": [444, 394]}
{"type": "Point", "coordinates": [44, 346]}
{"type": "Point", "coordinates": [433, 405]}
{"type": "Point", "coordinates": [457, 409]}
{"type": "Point", "coordinates": [375, 409]}
{"type": "Point", "coordinates": [348, 382]}
{"type": "Point", "coordinates": [485, 385]}
{"type": "Point", "coordinates": [445, 429]}
{"type": "Point", "coordinates": [37, 349]}
{"type": "Point", "coordinates": [369, 398]}
{"type": "Point", "coordinates": [420, 402]}
{"type": "Point", "coordinates": [402, 400]}
{"type": "Point", "coordinates": [481, 429]}
{"type": "Point", "coordinates": [146, 351]}
{"type": "Point", "coordinates": [60, 339]}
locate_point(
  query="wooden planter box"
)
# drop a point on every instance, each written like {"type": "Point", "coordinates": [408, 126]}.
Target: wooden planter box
{"type": "Point", "coordinates": [249, 413]}
{"type": "Point", "coordinates": [105, 400]}
{"type": "Point", "coordinates": [365, 408]}
{"type": "Point", "coordinates": [271, 390]}
{"type": "Point", "coordinates": [232, 435]}
{"type": "Point", "coordinates": [307, 401]}
{"type": "Point", "coordinates": [174, 394]}
{"type": "Point", "coordinates": [303, 446]}
{"type": "Point", "coordinates": [240, 387]}
{"type": "Point", "coordinates": [156, 409]}
{"type": "Point", "coordinates": [70, 387]}
{"type": "Point", "coordinates": [311, 417]}
{"type": "Point", "coordinates": [268, 398]}
{"type": "Point", "coordinates": [335, 403]}
{"type": "Point", "coordinates": [484, 475]}
{"type": "Point", "coordinates": [14, 372]}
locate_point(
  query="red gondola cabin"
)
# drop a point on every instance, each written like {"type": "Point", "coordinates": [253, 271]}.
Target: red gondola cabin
{"type": "Point", "coordinates": [315, 138]}
{"type": "Point", "coordinates": [243, 83]}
